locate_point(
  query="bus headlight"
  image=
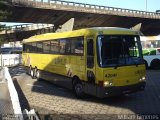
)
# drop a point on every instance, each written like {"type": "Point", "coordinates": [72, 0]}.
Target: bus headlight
{"type": "Point", "coordinates": [107, 83]}
{"type": "Point", "coordinates": [143, 78]}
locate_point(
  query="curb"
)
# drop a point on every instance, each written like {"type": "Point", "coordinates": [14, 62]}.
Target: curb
{"type": "Point", "coordinates": [14, 95]}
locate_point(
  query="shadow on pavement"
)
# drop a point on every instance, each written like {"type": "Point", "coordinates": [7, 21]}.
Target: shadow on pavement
{"type": "Point", "coordinates": [22, 99]}
{"type": "Point", "coordinates": [17, 70]}
{"type": "Point", "coordinates": [144, 102]}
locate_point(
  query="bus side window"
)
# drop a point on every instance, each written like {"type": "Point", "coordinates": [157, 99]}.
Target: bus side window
{"type": "Point", "coordinates": [90, 53]}
{"type": "Point", "coordinates": [62, 45]}
{"type": "Point", "coordinates": [77, 46]}
{"type": "Point", "coordinates": [68, 47]}
{"type": "Point", "coordinates": [39, 47]}
{"type": "Point", "coordinates": [55, 46]}
{"type": "Point", "coordinates": [46, 47]}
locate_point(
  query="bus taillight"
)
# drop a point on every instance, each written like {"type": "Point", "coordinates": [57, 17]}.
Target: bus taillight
{"type": "Point", "coordinates": [158, 50]}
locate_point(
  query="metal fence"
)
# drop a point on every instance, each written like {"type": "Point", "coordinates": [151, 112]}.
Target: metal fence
{"type": "Point", "coordinates": [10, 60]}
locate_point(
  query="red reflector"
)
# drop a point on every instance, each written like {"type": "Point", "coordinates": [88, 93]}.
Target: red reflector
{"type": "Point", "coordinates": [158, 49]}
{"type": "Point", "coordinates": [100, 83]}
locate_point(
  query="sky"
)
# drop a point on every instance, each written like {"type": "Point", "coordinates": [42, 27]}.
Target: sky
{"type": "Point", "coordinates": [152, 5]}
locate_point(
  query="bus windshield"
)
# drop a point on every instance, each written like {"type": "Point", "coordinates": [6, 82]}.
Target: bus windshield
{"type": "Point", "coordinates": [119, 50]}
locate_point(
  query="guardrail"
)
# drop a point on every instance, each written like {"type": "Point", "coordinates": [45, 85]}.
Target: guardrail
{"type": "Point", "coordinates": [25, 27]}
{"type": "Point", "coordinates": [89, 6]}
{"type": "Point", "coordinates": [13, 95]}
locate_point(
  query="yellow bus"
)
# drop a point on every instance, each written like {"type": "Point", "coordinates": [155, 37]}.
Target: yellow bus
{"type": "Point", "coordinates": [100, 61]}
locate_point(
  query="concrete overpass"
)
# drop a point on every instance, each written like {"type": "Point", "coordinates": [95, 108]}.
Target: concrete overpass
{"type": "Point", "coordinates": [20, 32]}
{"type": "Point", "coordinates": [58, 12]}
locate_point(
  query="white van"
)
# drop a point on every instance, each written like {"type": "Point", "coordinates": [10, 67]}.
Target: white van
{"type": "Point", "coordinates": [10, 56]}
{"type": "Point", "coordinates": [151, 51]}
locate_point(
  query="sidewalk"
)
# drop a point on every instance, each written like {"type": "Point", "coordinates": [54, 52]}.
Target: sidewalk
{"type": "Point", "coordinates": [5, 100]}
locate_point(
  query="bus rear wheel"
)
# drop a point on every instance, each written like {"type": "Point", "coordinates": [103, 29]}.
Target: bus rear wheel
{"type": "Point", "coordinates": [78, 89]}
{"type": "Point", "coordinates": [29, 70]}
{"type": "Point", "coordinates": [37, 74]}
{"type": "Point", "coordinates": [32, 73]}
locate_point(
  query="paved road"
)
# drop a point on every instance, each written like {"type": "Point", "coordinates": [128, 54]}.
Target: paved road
{"type": "Point", "coordinates": [48, 99]}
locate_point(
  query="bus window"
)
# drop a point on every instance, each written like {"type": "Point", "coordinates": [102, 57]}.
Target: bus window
{"type": "Point", "coordinates": [34, 47]}
{"type": "Point", "coordinates": [90, 53]}
{"type": "Point", "coordinates": [39, 47]}
{"type": "Point", "coordinates": [55, 46]}
{"type": "Point", "coordinates": [62, 44]}
{"type": "Point", "coordinates": [77, 46]}
{"type": "Point", "coordinates": [119, 50]}
{"type": "Point", "coordinates": [68, 47]}
{"type": "Point", "coordinates": [46, 47]}
{"type": "Point", "coordinates": [26, 47]}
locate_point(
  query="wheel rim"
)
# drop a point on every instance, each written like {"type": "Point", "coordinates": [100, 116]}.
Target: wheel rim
{"type": "Point", "coordinates": [78, 88]}
{"type": "Point", "coordinates": [30, 69]}
{"type": "Point", "coordinates": [32, 73]}
{"type": "Point", "coordinates": [37, 74]}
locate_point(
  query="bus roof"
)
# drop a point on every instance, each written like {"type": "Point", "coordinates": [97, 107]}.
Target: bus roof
{"type": "Point", "coordinates": [82, 32]}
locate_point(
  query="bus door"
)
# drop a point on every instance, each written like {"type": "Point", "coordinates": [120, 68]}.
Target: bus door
{"type": "Point", "coordinates": [90, 67]}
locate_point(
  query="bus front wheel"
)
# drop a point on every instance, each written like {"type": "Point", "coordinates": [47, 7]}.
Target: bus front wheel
{"type": "Point", "coordinates": [155, 64]}
{"type": "Point", "coordinates": [78, 89]}
{"type": "Point", "coordinates": [146, 64]}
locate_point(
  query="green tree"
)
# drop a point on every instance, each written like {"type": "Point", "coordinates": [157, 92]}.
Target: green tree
{"type": "Point", "coordinates": [4, 14]}
{"type": "Point", "coordinates": [4, 9]}
{"type": "Point", "coordinates": [1, 38]}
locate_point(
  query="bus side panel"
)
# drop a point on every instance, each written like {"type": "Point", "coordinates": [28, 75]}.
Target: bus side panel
{"type": "Point", "coordinates": [58, 64]}
{"type": "Point", "coordinates": [77, 67]}
{"type": "Point", "coordinates": [26, 59]}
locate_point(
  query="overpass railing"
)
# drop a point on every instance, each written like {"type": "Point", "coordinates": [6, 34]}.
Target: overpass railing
{"type": "Point", "coordinates": [88, 8]}
{"type": "Point", "coordinates": [24, 27]}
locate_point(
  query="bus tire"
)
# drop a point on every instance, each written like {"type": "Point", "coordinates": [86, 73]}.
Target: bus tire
{"type": "Point", "coordinates": [78, 89]}
{"type": "Point", "coordinates": [29, 70]}
{"type": "Point", "coordinates": [33, 73]}
{"type": "Point", "coordinates": [37, 75]}
{"type": "Point", "coordinates": [155, 64]}
{"type": "Point", "coordinates": [146, 64]}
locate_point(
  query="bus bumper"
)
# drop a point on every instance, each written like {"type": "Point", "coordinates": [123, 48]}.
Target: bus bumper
{"type": "Point", "coordinates": [103, 92]}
